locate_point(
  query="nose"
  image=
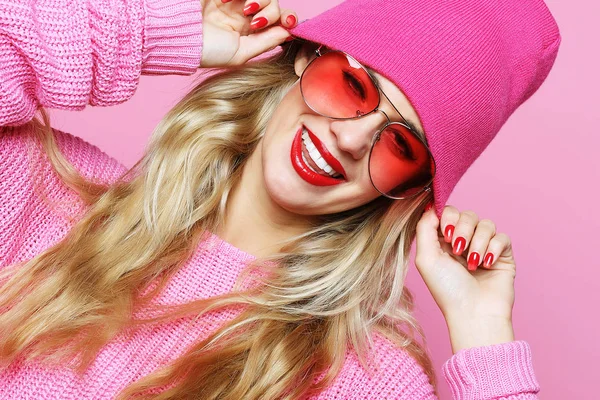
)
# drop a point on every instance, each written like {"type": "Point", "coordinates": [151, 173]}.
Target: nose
{"type": "Point", "coordinates": [354, 136]}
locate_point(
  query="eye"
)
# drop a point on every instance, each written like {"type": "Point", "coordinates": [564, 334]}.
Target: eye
{"type": "Point", "coordinates": [355, 84]}
{"type": "Point", "coordinates": [402, 143]}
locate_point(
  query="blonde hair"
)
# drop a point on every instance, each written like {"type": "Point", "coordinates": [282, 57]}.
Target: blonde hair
{"type": "Point", "coordinates": [327, 288]}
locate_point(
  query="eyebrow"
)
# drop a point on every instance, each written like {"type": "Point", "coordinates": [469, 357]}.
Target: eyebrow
{"type": "Point", "coordinates": [410, 124]}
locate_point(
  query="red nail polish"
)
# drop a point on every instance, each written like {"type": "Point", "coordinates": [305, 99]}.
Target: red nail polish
{"type": "Point", "coordinates": [473, 261]}
{"type": "Point", "coordinates": [251, 8]}
{"type": "Point", "coordinates": [459, 245]}
{"type": "Point", "coordinates": [290, 20]}
{"type": "Point", "coordinates": [489, 258]}
{"type": "Point", "coordinates": [448, 233]}
{"type": "Point", "coordinates": [225, 1]}
{"type": "Point", "coordinates": [258, 23]}
{"type": "Point", "coordinates": [428, 206]}
{"type": "Point", "coordinates": [289, 39]}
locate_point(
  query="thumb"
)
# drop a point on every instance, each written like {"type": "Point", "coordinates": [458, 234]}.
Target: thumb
{"type": "Point", "coordinates": [260, 42]}
{"type": "Point", "coordinates": [428, 248]}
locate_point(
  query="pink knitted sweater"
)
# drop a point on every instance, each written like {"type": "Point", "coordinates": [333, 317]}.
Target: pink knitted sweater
{"type": "Point", "coordinates": [67, 54]}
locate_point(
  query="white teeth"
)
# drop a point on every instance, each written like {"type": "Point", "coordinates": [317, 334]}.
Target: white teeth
{"type": "Point", "coordinates": [316, 156]}
{"type": "Point", "coordinates": [304, 158]}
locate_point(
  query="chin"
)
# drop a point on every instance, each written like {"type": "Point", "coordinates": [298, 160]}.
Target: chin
{"type": "Point", "coordinates": [286, 192]}
{"type": "Point", "coordinates": [289, 200]}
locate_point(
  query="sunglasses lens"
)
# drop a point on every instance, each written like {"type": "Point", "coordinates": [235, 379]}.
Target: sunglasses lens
{"type": "Point", "coordinates": [400, 165]}
{"type": "Point", "coordinates": [334, 85]}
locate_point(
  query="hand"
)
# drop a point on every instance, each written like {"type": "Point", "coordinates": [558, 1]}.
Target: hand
{"type": "Point", "coordinates": [479, 297]}
{"type": "Point", "coordinates": [232, 36]}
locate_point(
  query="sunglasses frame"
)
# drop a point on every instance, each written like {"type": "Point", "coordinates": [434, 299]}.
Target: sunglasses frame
{"type": "Point", "coordinates": [377, 134]}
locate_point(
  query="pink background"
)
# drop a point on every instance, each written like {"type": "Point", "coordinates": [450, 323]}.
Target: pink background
{"type": "Point", "coordinates": [537, 182]}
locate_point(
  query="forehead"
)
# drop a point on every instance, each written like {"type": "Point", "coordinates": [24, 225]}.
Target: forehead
{"type": "Point", "coordinates": [398, 99]}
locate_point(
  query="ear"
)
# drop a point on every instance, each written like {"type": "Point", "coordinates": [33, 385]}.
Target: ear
{"type": "Point", "coordinates": [304, 56]}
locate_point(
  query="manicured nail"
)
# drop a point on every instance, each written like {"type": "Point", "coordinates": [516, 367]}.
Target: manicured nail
{"type": "Point", "coordinates": [428, 207]}
{"type": "Point", "coordinates": [258, 23]}
{"type": "Point", "coordinates": [489, 257]}
{"type": "Point", "coordinates": [473, 261]}
{"type": "Point", "coordinates": [289, 39]}
{"type": "Point", "coordinates": [459, 245]}
{"type": "Point", "coordinates": [448, 233]}
{"type": "Point", "coordinates": [225, 1]}
{"type": "Point", "coordinates": [251, 8]}
{"type": "Point", "coordinates": [290, 20]}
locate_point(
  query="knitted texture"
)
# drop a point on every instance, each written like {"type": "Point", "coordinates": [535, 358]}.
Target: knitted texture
{"type": "Point", "coordinates": [465, 65]}
{"type": "Point", "coordinates": [53, 62]}
{"type": "Point", "coordinates": [68, 54]}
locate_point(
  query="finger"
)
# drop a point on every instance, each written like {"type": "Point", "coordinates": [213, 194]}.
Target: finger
{"type": "Point", "coordinates": [253, 6]}
{"type": "Point", "coordinates": [289, 19]}
{"type": "Point", "coordinates": [484, 232]}
{"type": "Point", "coordinates": [260, 42]}
{"type": "Point", "coordinates": [448, 221]}
{"type": "Point", "coordinates": [428, 242]}
{"type": "Point", "coordinates": [463, 233]}
{"type": "Point", "coordinates": [268, 14]}
{"type": "Point", "coordinates": [500, 245]}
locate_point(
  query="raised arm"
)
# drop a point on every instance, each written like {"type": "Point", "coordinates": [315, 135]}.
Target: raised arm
{"type": "Point", "coordinates": [497, 371]}
{"type": "Point", "coordinates": [476, 299]}
{"type": "Point", "coordinates": [68, 54]}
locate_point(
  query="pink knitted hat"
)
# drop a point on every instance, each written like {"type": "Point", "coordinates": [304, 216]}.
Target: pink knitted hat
{"type": "Point", "coordinates": [465, 65]}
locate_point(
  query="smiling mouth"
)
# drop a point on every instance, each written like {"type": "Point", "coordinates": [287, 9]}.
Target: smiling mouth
{"type": "Point", "coordinates": [315, 160]}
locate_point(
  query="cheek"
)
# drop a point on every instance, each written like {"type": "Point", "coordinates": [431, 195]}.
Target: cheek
{"type": "Point", "coordinates": [283, 120]}
{"type": "Point", "coordinates": [367, 191]}
{"type": "Point", "coordinates": [279, 177]}
{"type": "Point", "coordinates": [275, 148]}
{"type": "Point", "coordinates": [276, 167]}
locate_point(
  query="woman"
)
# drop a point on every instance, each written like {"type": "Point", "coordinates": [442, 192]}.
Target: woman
{"type": "Point", "coordinates": [310, 167]}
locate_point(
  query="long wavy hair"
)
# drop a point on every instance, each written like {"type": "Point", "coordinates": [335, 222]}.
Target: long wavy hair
{"type": "Point", "coordinates": [326, 289]}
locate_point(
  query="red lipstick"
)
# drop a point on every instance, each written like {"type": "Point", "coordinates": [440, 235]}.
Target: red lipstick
{"type": "Point", "coordinates": [327, 156]}
{"type": "Point", "coordinates": [304, 170]}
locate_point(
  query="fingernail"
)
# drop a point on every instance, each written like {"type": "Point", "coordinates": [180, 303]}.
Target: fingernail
{"type": "Point", "coordinates": [428, 207]}
{"type": "Point", "coordinates": [289, 39]}
{"type": "Point", "coordinates": [459, 245]}
{"type": "Point", "coordinates": [290, 20]}
{"type": "Point", "coordinates": [258, 23]}
{"type": "Point", "coordinates": [251, 8]}
{"type": "Point", "coordinates": [489, 257]}
{"type": "Point", "coordinates": [448, 233]}
{"type": "Point", "coordinates": [473, 261]}
{"type": "Point", "coordinates": [225, 1]}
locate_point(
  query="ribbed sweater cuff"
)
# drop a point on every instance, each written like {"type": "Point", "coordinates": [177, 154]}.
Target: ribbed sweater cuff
{"type": "Point", "coordinates": [172, 36]}
{"type": "Point", "coordinates": [493, 371]}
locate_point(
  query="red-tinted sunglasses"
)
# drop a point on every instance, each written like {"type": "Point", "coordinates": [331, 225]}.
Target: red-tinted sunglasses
{"type": "Point", "coordinates": [337, 86]}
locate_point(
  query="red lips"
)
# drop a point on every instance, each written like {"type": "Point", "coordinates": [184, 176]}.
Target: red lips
{"type": "Point", "coordinates": [331, 160]}
{"type": "Point", "coordinates": [303, 170]}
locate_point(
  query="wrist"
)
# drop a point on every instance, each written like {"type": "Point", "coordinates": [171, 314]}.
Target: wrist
{"type": "Point", "coordinates": [467, 333]}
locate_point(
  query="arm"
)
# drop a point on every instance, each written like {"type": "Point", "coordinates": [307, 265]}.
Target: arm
{"type": "Point", "coordinates": [67, 54]}
{"type": "Point", "coordinates": [35, 205]}
{"type": "Point", "coordinates": [477, 302]}
{"type": "Point", "coordinates": [498, 371]}
{"type": "Point", "coordinates": [488, 363]}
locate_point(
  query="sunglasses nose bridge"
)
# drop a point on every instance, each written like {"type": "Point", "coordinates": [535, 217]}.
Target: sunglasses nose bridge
{"type": "Point", "coordinates": [386, 116]}
{"type": "Point", "coordinates": [355, 136]}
